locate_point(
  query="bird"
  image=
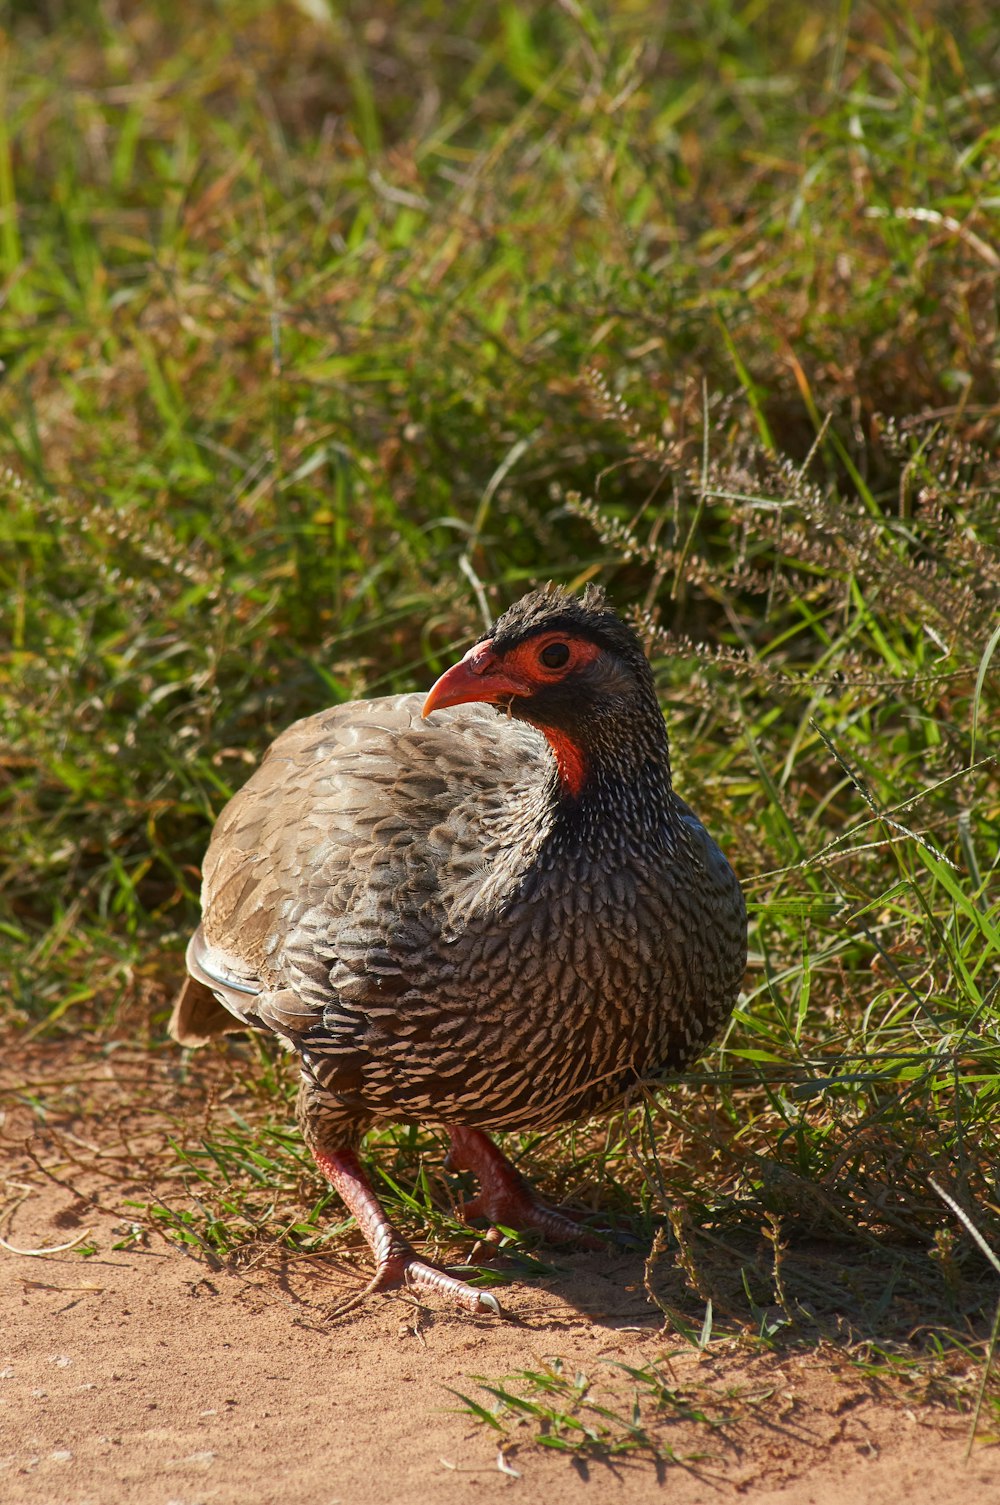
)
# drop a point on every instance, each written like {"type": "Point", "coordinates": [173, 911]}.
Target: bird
{"type": "Point", "coordinates": [485, 909]}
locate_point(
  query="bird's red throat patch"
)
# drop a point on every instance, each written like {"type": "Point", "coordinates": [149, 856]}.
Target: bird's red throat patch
{"type": "Point", "coordinates": [569, 760]}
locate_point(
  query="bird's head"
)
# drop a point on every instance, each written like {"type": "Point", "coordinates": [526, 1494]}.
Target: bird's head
{"type": "Point", "coordinates": [572, 668]}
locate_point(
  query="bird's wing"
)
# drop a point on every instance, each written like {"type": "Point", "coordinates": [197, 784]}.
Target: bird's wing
{"type": "Point", "coordinates": [334, 863]}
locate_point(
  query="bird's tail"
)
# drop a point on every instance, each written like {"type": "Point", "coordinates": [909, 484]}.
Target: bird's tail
{"type": "Point", "coordinates": [198, 1016]}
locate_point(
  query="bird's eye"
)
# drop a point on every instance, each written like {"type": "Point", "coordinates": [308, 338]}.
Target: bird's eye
{"type": "Point", "coordinates": [554, 655]}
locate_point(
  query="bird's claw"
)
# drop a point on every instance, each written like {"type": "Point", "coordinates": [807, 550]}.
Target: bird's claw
{"type": "Point", "coordinates": [418, 1275]}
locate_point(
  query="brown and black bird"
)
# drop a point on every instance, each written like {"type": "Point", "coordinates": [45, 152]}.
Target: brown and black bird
{"type": "Point", "coordinates": [483, 910]}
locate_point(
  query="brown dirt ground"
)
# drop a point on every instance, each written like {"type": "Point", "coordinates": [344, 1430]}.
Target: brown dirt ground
{"type": "Point", "coordinates": [143, 1375]}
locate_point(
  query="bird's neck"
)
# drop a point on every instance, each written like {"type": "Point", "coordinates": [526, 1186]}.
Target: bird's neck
{"type": "Point", "coordinates": [605, 777]}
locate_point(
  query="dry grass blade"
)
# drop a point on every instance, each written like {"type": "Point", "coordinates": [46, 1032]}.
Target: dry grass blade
{"type": "Point", "coordinates": [973, 1231]}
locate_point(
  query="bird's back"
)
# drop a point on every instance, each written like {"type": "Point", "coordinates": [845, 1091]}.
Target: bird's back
{"type": "Point", "coordinates": [359, 821]}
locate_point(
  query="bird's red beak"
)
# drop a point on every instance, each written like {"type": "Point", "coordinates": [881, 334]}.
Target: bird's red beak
{"type": "Point", "coordinates": [480, 675]}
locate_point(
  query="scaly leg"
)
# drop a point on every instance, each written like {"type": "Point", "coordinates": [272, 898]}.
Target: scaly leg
{"type": "Point", "coordinates": [507, 1197]}
{"type": "Point", "coordinates": [396, 1261]}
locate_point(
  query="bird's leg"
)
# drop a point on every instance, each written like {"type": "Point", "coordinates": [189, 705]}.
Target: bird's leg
{"type": "Point", "coordinates": [507, 1197]}
{"type": "Point", "coordinates": [396, 1261]}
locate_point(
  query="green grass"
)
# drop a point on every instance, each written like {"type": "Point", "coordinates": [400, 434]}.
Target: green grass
{"type": "Point", "coordinates": [319, 335]}
{"type": "Point", "coordinates": [570, 1416]}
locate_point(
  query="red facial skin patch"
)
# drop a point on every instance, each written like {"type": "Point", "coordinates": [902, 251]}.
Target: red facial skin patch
{"type": "Point", "coordinates": [526, 663]}
{"type": "Point", "coordinates": [501, 679]}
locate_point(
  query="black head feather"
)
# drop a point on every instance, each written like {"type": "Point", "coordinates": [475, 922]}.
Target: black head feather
{"type": "Point", "coordinates": [555, 609]}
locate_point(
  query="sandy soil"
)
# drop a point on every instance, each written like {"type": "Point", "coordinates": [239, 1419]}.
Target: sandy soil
{"type": "Point", "coordinates": [142, 1375]}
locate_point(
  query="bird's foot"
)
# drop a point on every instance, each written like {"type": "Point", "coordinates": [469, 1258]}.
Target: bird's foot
{"type": "Point", "coordinates": [397, 1264]}
{"type": "Point", "coordinates": [527, 1213]}
{"type": "Point", "coordinates": [506, 1199]}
